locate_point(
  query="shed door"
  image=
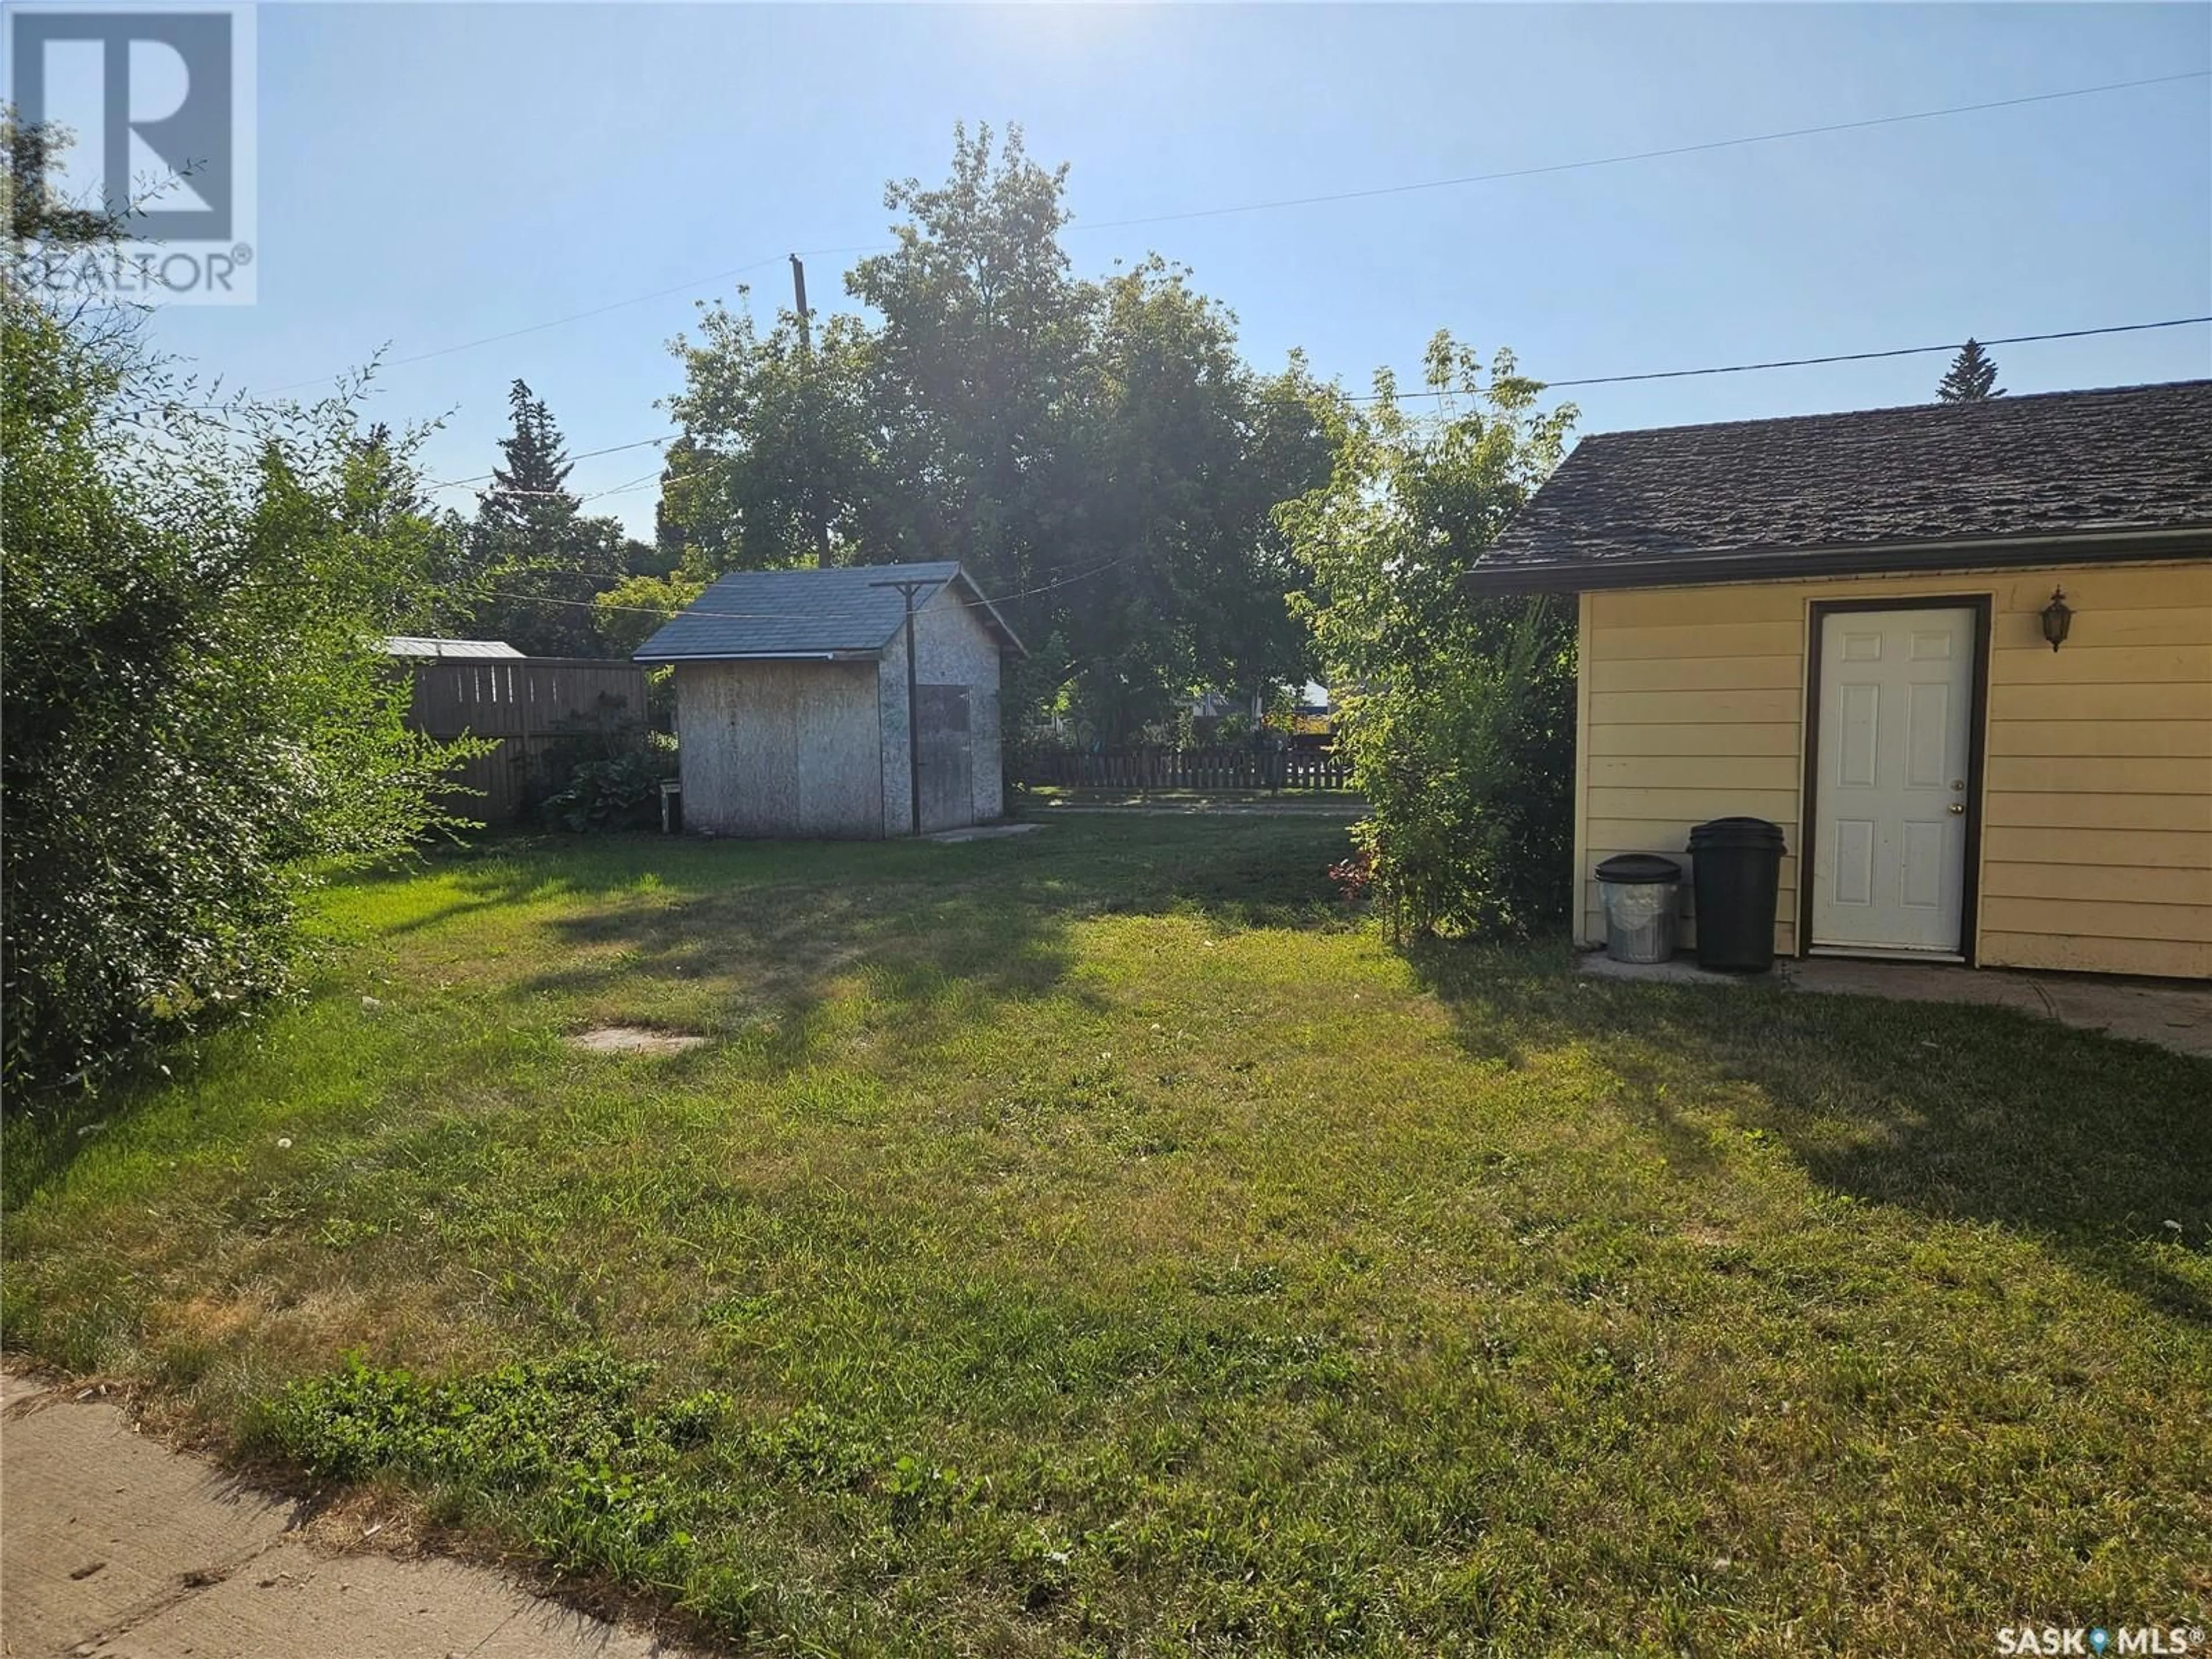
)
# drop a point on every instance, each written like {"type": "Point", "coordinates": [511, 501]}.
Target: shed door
{"type": "Point", "coordinates": [1889, 841]}
{"type": "Point", "coordinates": [945, 756]}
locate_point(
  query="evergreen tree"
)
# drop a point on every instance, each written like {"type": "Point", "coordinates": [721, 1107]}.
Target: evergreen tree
{"type": "Point", "coordinates": [539, 561]}
{"type": "Point", "coordinates": [1972, 376]}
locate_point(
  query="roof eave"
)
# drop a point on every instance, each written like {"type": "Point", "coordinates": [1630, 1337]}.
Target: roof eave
{"type": "Point", "coordinates": [1708, 566]}
{"type": "Point", "coordinates": [855, 654]}
{"type": "Point", "coordinates": [1009, 641]}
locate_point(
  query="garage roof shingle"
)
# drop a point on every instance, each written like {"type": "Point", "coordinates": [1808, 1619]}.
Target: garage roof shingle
{"type": "Point", "coordinates": [807, 613]}
{"type": "Point", "coordinates": [2054, 464]}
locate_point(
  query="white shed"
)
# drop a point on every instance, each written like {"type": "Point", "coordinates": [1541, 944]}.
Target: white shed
{"type": "Point", "coordinates": [791, 709]}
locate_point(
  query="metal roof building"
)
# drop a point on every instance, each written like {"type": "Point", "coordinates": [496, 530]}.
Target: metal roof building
{"type": "Point", "coordinates": [417, 648]}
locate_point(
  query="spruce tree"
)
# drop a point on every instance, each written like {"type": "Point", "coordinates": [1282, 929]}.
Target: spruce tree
{"type": "Point", "coordinates": [541, 562]}
{"type": "Point", "coordinates": [1972, 376]}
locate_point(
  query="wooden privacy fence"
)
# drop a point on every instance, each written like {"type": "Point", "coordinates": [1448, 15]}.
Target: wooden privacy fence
{"type": "Point", "coordinates": [537, 708]}
{"type": "Point", "coordinates": [1163, 767]}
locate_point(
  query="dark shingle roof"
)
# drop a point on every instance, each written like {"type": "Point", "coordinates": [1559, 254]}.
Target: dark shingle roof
{"type": "Point", "coordinates": [2053, 464]}
{"type": "Point", "coordinates": [807, 613]}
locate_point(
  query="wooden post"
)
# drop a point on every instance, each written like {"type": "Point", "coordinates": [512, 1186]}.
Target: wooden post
{"type": "Point", "coordinates": [814, 507]}
{"type": "Point", "coordinates": [907, 588]}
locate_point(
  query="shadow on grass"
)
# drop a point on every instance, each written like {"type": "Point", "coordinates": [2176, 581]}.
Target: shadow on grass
{"type": "Point", "coordinates": [737, 931]}
{"type": "Point", "coordinates": [726, 931]}
{"type": "Point", "coordinates": [2088, 1144]}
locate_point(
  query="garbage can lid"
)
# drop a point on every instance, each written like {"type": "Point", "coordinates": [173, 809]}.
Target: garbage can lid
{"type": "Point", "coordinates": [1736, 832]}
{"type": "Point", "coordinates": [1639, 867]}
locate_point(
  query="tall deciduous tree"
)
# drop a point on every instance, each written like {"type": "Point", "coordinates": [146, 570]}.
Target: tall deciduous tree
{"type": "Point", "coordinates": [775, 450]}
{"type": "Point", "coordinates": [1972, 377]}
{"type": "Point", "coordinates": [1096, 453]}
{"type": "Point", "coordinates": [972, 374]}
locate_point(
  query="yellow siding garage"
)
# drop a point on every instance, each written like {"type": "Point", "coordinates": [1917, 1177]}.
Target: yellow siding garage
{"type": "Point", "coordinates": [2096, 809]}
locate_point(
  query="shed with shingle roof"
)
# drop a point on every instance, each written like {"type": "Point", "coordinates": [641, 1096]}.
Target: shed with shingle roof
{"type": "Point", "coordinates": [1960, 653]}
{"type": "Point", "coordinates": [791, 707]}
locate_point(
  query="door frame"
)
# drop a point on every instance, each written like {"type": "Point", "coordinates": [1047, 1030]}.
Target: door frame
{"type": "Point", "coordinates": [1977, 727]}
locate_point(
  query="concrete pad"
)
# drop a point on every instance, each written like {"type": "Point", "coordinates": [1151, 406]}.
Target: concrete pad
{"type": "Point", "coordinates": [1679, 971]}
{"type": "Point", "coordinates": [981, 832]}
{"type": "Point", "coordinates": [116, 1547]}
{"type": "Point", "coordinates": [633, 1039]}
{"type": "Point", "coordinates": [2175, 1014]}
{"type": "Point", "coordinates": [17, 1388]}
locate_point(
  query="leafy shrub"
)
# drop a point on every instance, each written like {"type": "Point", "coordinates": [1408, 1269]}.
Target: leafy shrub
{"type": "Point", "coordinates": [1457, 714]}
{"type": "Point", "coordinates": [1353, 877]}
{"type": "Point", "coordinates": [1468, 772]}
{"type": "Point", "coordinates": [617, 791]}
{"type": "Point", "coordinates": [197, 712]}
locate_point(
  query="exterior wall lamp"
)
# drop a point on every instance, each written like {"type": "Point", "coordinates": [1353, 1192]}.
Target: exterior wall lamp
{"type": "Point", "coordinates": [2057, 618]}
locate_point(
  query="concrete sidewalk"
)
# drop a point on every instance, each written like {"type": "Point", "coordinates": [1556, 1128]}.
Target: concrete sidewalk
{"type": "Point", "coordinates": [112, 1545]}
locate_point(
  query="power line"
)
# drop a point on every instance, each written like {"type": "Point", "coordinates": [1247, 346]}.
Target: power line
{"type": "Point", "coordinates": [553, 322]}
{"type": "Point", "coordinates": [1803, 362]}
{"type": "Point", "coordinates": [1078, 226]}
{"type": "Point", "coordinates": [1642, 154]}
{"type": "Point", "coordinates": [641, 480]}
{"type": "Point", "coordinates": [1553, 386]}
{"type": "Point", "coordinates": [766, 616]}
{"type": "Point", "coordinates": [612, 449]}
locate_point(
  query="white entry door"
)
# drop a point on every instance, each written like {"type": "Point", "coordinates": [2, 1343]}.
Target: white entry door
{"type": "Point", "coordinates": [1889, 839]}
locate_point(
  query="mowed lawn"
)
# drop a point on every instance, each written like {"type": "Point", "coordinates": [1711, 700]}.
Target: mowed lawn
{"type": "Point", "coordinates": [1097, 1242]}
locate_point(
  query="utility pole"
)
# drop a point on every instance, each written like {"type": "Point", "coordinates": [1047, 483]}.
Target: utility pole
{"type": "Point", "coordinates": [909, 587]}
{"type": "Point", "coordinates": [806, 353]}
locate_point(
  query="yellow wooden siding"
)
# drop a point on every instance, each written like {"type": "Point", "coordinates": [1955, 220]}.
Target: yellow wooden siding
{"type": "Point", "coordinates": [2097, 795]}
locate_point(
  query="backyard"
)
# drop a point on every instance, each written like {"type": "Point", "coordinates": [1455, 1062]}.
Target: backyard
{"type": "Point", "coordinates": [1100, 1241]}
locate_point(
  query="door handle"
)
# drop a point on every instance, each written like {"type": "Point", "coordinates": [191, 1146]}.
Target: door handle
{"type": "Point", "coordinates": [1958, 806]}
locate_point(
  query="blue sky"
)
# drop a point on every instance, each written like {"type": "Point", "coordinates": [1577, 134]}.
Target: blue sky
{"type": "Point", "coordinates": [432, 174]}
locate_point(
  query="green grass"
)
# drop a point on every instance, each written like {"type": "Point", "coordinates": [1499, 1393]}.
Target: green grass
{"type": "Point", "coordinates": [1094, 1242]}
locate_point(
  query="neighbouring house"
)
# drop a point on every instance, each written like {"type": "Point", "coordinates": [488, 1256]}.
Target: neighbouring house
{"type": "Point", "coordinates": [792, 714]}
{"type": "Point", "coordinates": [542, 715]}
{"type": "Point", "coordinates": [1961, 653]}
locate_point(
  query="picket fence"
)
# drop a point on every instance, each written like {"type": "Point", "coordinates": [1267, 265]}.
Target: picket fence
{"type": "Point", "coordinates": [1196, 769]}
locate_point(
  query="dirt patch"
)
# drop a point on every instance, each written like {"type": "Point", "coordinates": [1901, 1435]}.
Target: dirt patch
{"type": "Point", "coordinates": [633, 1040]}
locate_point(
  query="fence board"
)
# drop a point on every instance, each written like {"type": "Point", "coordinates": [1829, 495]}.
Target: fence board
{"type": "Point", "coordinates": [1198, 769]}
{"type": "Point", "coordinates": [528, 705]}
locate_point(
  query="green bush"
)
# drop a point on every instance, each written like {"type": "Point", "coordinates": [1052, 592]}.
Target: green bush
{"type": "Point", "coordinates": [619, 790]}
{"type": "Point", "coordinates": [1457, 714]}
{"type": "Point", "coordinates": [196, 711]}
{"type": "Point", "coordinates": [1467, 770]}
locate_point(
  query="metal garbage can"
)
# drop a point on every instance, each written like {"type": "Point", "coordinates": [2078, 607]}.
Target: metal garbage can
{"type": "Point", "coordinates": [1642, 895]}
{"type": "Point", "coordinates": [1737, 867]}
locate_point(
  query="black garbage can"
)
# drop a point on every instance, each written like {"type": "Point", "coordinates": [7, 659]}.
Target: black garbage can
{"type": "Point", "coordinates": [1738, 868]}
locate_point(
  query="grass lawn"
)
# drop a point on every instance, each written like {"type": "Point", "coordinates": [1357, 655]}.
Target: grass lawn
{"type": "Point", "coordinates": [1091, 1242]}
